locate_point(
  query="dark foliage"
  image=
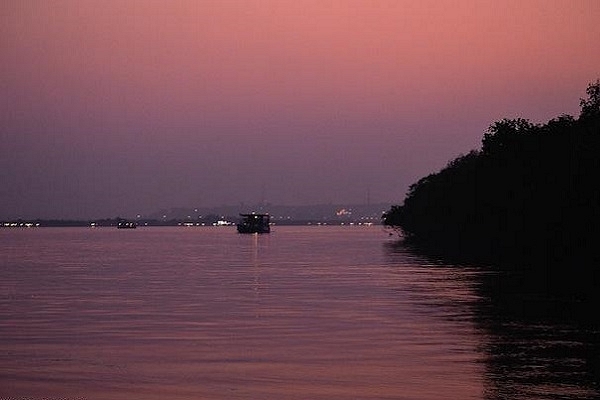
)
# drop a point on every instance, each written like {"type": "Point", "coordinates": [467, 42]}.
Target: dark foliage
{"type": "Point", "coordinates": [590, 107]}
{"type": "Point", "coordinates": [531, 192]}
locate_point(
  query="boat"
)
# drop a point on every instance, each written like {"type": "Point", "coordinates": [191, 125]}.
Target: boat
{"type": "Point", "coordinates": [254, 223]}
{"type": "Point", "coordinates": [124, 224]}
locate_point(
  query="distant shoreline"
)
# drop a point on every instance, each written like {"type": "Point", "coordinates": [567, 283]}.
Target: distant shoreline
{"type": "Point", "coordinates": [317, 214]}
{"type": "Point", "coordinates": [38, 223]}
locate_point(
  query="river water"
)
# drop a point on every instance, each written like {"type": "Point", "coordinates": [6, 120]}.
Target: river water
{"type": "Point", "coordinates": [302, 313]}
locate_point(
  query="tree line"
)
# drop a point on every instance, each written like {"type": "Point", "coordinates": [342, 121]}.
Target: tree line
{"type": "Point", "coordinates": [532, 190]}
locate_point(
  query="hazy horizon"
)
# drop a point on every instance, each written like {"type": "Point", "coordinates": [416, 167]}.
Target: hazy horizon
{"type": "Point", "coordinates": [232, 210]}
{"type": "Point", "coordinates": [127, 107]}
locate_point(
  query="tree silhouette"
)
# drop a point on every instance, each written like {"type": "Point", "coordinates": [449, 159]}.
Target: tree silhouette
{"type": "Point", "coordinates": [590, 107]}
{"type": "Point", "coordinates": [532, 191]}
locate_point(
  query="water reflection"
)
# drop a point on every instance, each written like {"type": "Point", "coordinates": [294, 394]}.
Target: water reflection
{"type": "Point", "coordinates": [537, 341]}
{"type": "Point", "coordinates": [541, 344]}
{"type": "Point", "coordinates": [303, 313]}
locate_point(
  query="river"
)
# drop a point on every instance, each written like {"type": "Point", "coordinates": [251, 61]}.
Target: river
{"type": "Point", "coordinates": [310, 312]}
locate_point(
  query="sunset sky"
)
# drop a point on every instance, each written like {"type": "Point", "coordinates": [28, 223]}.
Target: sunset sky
{"type": "Point", "coordinates": [123, 107]}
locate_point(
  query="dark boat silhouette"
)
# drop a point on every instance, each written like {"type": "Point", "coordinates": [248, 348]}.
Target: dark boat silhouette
{"type": "Point", "coordinates": [254, 223]}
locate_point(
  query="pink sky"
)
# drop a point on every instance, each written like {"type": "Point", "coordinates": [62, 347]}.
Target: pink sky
{"type": "Point", "coordinates": [125, 107]}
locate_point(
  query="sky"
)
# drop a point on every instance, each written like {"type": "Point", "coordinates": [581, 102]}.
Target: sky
{"type": "Point", "coordinates": [125, 107]}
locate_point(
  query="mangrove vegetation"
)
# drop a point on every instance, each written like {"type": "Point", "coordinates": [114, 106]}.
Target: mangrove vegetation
{"type": "Point", "coordinates": [531, 192]}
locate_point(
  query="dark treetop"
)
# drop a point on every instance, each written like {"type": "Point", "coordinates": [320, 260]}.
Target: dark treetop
{"type": "Point", "coordinates": [531, 192]}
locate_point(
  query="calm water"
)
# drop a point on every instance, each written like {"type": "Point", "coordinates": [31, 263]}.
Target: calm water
{"type": "Point", "coordinates": [302, 313]}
